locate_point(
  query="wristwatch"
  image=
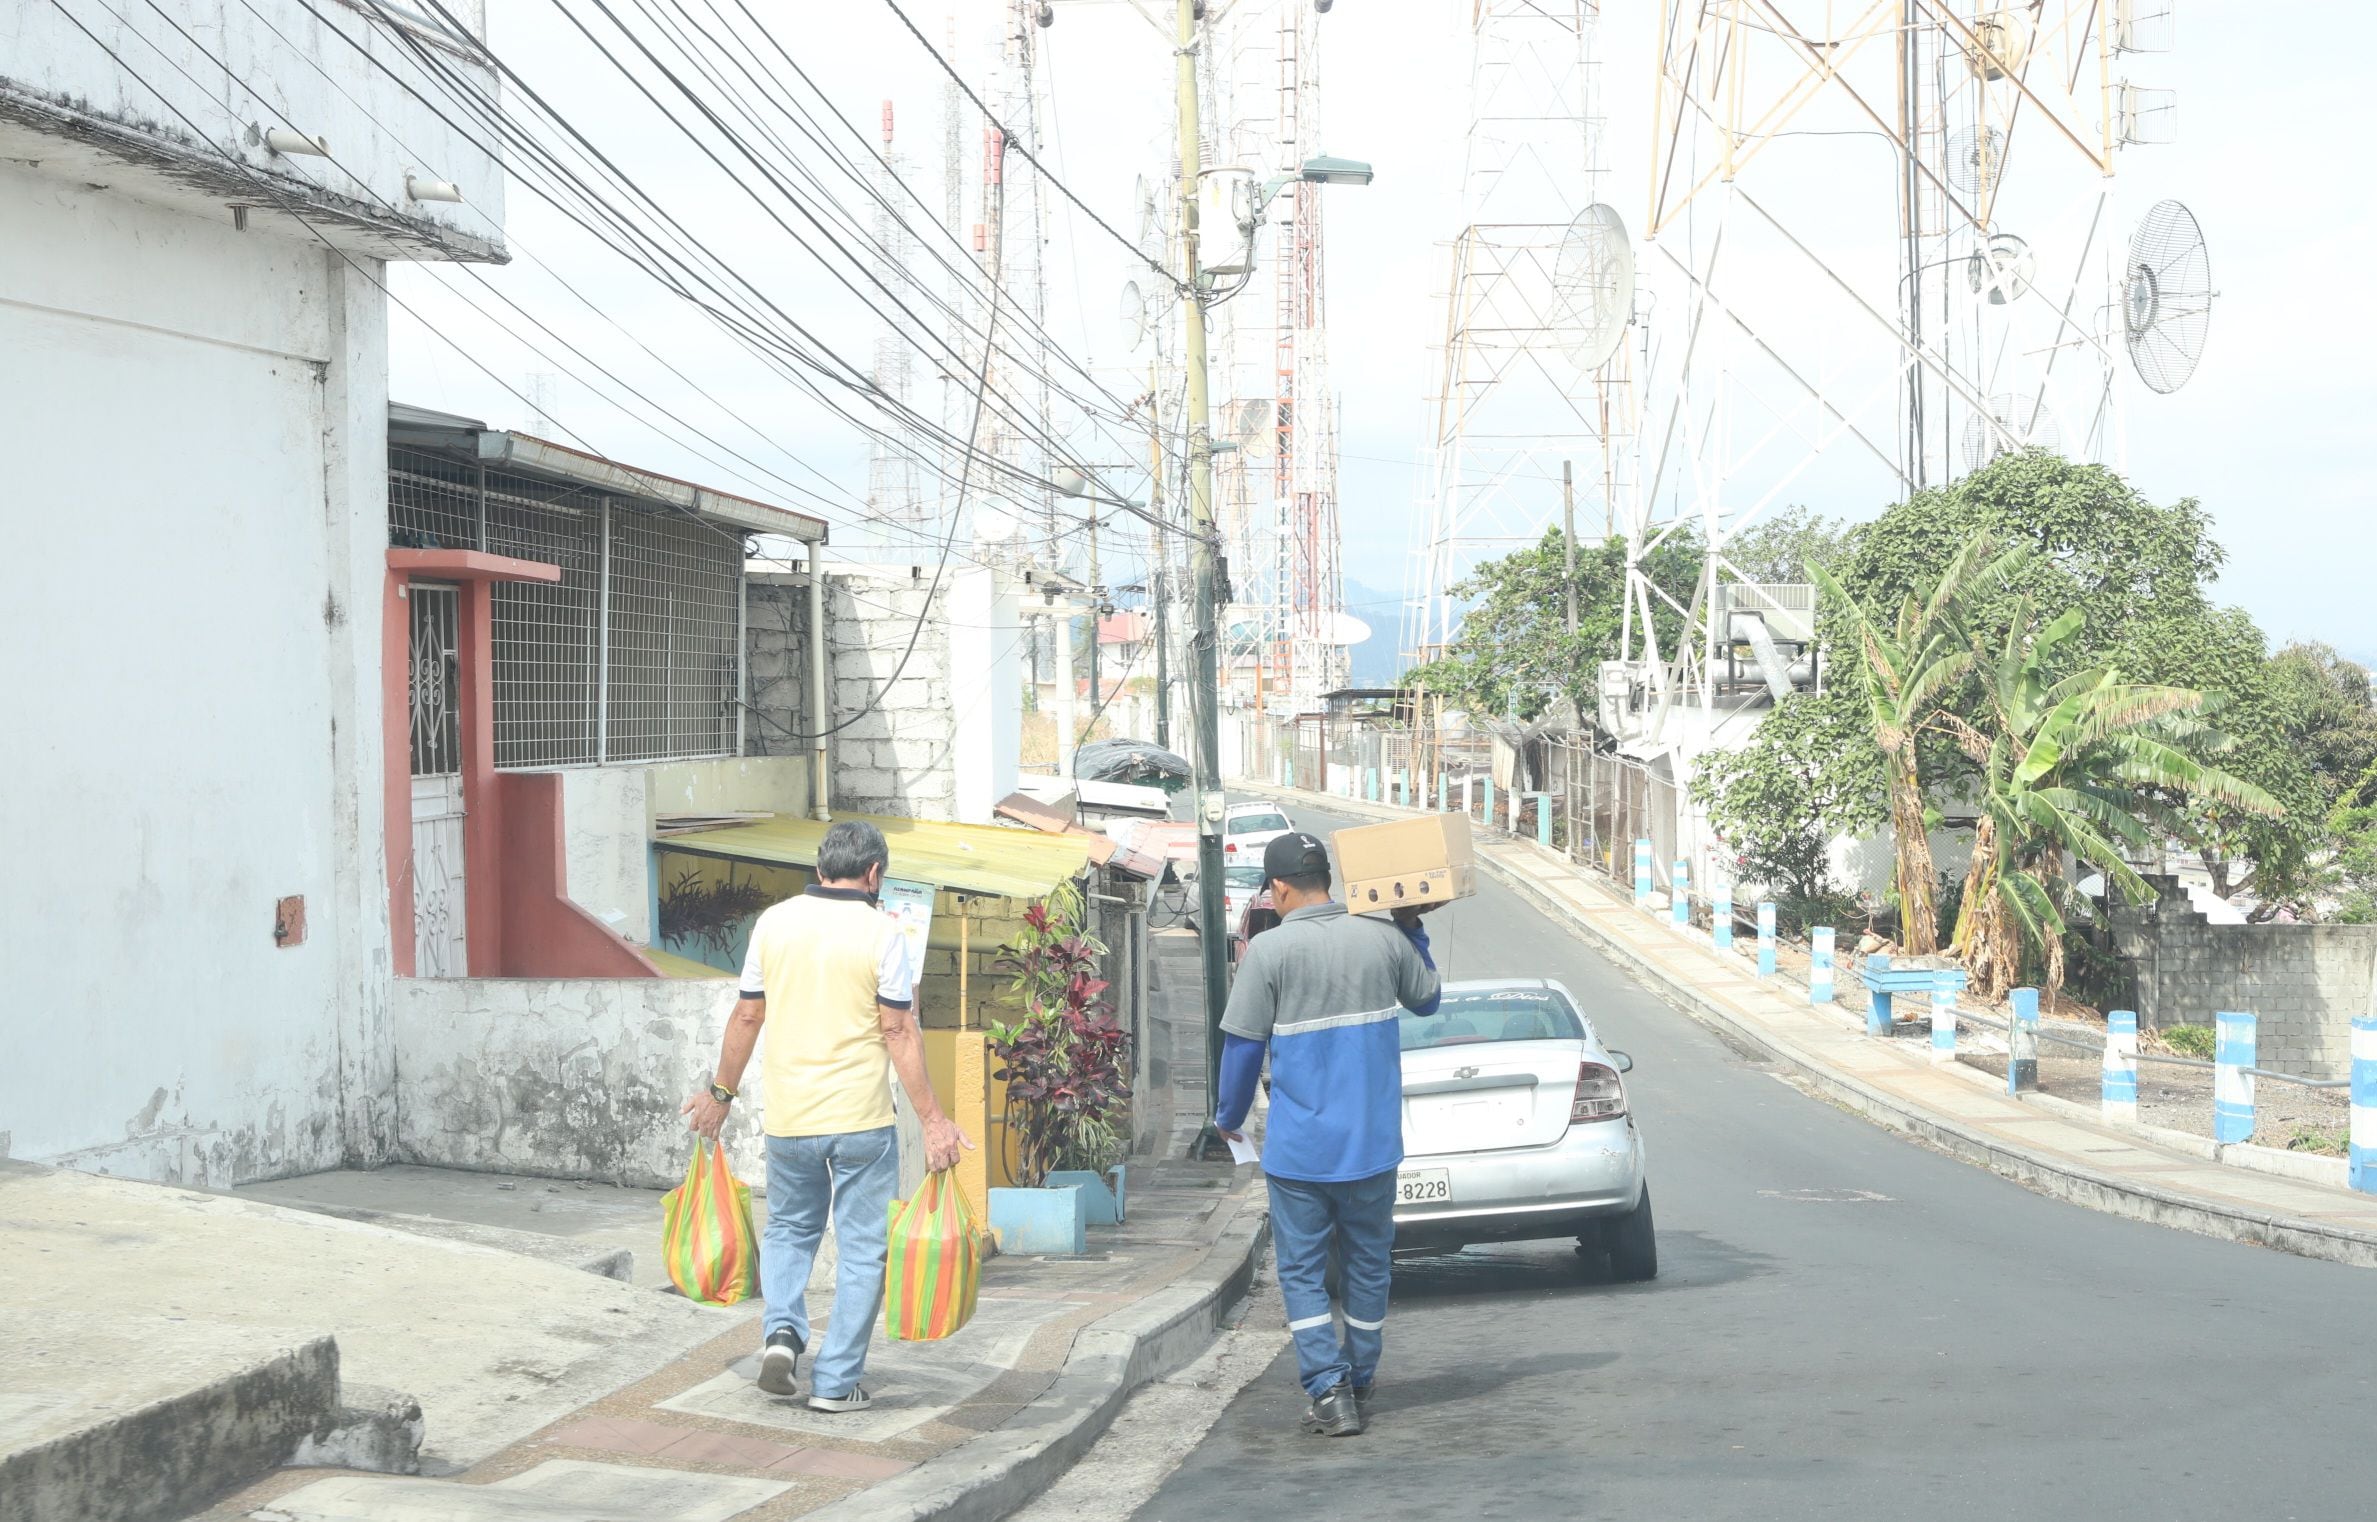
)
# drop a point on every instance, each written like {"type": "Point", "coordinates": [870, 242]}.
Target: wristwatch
{"type": "Point", "coordinates": [722, 1093]}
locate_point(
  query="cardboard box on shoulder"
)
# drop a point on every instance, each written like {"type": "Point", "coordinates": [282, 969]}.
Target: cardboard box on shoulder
{"type": "Point", "coordinates": [1408, 863]}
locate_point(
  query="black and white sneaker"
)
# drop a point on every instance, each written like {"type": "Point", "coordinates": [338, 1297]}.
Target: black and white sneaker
{"type": "Point", "coordinates": [780, 1362]}
{"type": "Point", "coordinates": [1336, 1414]}
{"type": "Point", "coordinates": [856, 1400]}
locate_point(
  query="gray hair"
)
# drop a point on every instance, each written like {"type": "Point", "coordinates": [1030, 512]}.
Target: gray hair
{"type": "Point", "coordinates": [849, 849]}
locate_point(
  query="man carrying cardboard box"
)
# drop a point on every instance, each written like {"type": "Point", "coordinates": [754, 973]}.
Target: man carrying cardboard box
{"type": "Point", "coordinates": [1323, 992]}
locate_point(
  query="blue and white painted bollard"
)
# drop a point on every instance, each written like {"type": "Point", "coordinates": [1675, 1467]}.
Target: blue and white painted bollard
{"type": "Point", "coordinates": [1679, 895]}
{"type": "Point", "coordinates": [2232, 1086]}
{"type": "Point", "coordinates": [1443, 795]}
{"type": "Point", "coordinates": [1642, 874]}
{"type": "Point", "coordinates": [1943, 1022]}
{"type": "Point", "coordinates": [1766, 963]}
{"type": "Point", "coordinates": [1820, 965]}
{"type": "Point", "coordinates": [1543, 819]}
{"type": "Point", "coordinates": [2022, 1041]}
{"type": "Point", "coordinates": [2362, 1153]}
{"type": "Point", "coordinates": [1877, 1002]}
{"type": "Point", "coordinates": [1720, 916]}
{"type": "Point", "coordinates": [2120, 1087]}
{"type": "Point", "coordinates": [1402, 788]}
{"type": "Point", "coordinates": [1489, 813]}
{"type": "Point", "coordinates": [1370, 783]}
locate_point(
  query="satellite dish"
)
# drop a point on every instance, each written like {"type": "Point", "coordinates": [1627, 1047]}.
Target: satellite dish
{"type": "Point", "coordinates": [2001, 270]}
{"type": "Point", "coordinates": [1593, 284]}
{"type": "Point", "coordinates": [2013, 422]}
{"type": "Point", "coordinates": [1977, 159]}
{"type": "Point", "coordinates": [2001, 41]}
{"type": "Point", "coordinates": [2166, 296]}
{"type": "Point", "coordinates": [1340, 630]}
{"type": "Point", "coordinates": [1134, 316]}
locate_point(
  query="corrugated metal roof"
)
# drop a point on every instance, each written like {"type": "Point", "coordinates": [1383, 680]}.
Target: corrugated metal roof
{"type": "Point", "coordinates": [971, 858]}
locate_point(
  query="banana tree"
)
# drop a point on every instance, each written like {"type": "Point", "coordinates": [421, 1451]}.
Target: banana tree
{"type": "Point", "coordinates": [1910, 665]}
{"type": "Point", "coordinates": [2078, 769]}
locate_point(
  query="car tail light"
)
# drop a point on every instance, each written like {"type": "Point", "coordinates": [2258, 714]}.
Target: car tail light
{"type": "Point", "coordinates": [1231, 846]}
{"type": "Point", "coordinates": [1600, 1094]}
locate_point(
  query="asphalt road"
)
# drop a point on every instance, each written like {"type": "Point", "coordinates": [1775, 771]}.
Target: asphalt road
{"type": "Point", "coordinates": [1846, 1325]}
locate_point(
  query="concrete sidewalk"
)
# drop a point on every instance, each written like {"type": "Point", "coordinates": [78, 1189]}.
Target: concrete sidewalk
{"type": "Point", "coordinates": [2051, 1146]}
{"type": "Point", "coordinates": [964, 1428]}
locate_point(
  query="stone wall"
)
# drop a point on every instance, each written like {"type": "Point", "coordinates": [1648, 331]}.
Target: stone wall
{"type": "Point", "coordinates": [894, 757]}
{"type": "Point", "coordinates": [2303, 983]}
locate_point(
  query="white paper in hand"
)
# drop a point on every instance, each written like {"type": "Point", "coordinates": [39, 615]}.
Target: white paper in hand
{"type": "Point", "coordinates": [1243, 1150]}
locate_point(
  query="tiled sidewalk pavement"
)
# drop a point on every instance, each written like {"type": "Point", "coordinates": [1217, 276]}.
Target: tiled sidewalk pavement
{"type": "Point", "coordinates": [698, 1442]}
{"type": "Point", "coordinates": [2054, 1148]}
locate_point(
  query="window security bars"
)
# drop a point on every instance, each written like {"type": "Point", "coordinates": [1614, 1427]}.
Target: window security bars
{"type": "Point", "coordinates": [651, 671]}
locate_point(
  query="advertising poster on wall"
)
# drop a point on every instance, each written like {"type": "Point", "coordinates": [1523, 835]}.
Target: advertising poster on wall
{"type": "Point", "coordinates": [911, 904]}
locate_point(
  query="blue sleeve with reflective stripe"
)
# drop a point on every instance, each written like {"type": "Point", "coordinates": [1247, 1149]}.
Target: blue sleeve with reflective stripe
{"type": "Point", "coordinates": [1242, 1065]}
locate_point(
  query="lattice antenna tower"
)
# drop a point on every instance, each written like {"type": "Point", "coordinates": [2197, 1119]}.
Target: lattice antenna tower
{"type": "Point", "coordinates": [1842, 328]}
{"type": "Point", "coordinates": [1305, 471]}
{"type": "Point", "coordinates": [895, 476]}
{"type": "Point", "coordinates": [1534, 370]}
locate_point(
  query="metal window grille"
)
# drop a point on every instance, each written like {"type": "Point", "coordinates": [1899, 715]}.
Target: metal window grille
{"type": "Point", "coordinates": [675, 641]}
{"type": "Point", "coordinates": [673, 630]}
{"type": "Point", "coordinates": [436, 725]}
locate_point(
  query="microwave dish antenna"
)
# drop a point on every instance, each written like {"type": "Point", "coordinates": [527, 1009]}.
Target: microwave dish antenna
{"type": "Point", "coordinates": [2166, 296]}
{"type": "Point", "coordinates": [1593, 284]}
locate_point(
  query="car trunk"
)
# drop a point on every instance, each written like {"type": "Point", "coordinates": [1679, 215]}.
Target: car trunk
{"type": "Point", "coordinates": [1487, 1095]}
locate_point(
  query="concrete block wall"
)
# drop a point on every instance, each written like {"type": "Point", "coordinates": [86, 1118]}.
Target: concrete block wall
{"type": "Point", "coordinates": [2303, 983]}
{"type": "Point", "coordinates": [896, 756]}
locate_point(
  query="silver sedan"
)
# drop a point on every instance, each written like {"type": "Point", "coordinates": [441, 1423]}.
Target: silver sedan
{"type": "Point", "coordinates": [1516, 1128]}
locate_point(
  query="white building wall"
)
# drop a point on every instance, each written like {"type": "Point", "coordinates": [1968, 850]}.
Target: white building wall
{"type": "Point", "coordinates": [188, 546]}
{"type": "Point", "coordinates": [193, 419]}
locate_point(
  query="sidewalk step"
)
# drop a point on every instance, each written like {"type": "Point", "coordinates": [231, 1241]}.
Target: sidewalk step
{"type": "Point", "coordinates": [558, 1490]}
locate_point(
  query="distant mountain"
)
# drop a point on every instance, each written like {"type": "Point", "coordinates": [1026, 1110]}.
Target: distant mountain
{"type": "Point", "coordinates": [1378, 660]}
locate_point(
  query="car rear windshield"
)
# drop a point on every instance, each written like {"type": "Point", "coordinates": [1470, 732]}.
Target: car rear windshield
{"type": "Point", "coordinates": [1248, 824]}
{"type": "Point", "coordinates": [1243, 877]}
{"type": "Point", "coordinates": [1507, 1015]}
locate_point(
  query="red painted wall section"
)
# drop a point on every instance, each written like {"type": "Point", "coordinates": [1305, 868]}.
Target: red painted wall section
{"type": "Point", "coordinates": [396, 729]}
{"type": "Point", "coordinates": [516, 881]}
{"type": "Point", "coordinates": [545, 933]}
{"type": "Point", "coordinates": [484, 887]}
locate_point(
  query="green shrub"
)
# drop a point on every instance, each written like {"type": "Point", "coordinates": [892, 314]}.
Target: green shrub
{"type": "Point", "coordinates": [2189, 1040]}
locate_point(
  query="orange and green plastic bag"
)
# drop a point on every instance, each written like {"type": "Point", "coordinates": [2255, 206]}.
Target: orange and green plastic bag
{"type": "Point", "coordinates": [933, 1269]}
{"type": "Point", "coordinates": [705, 1233]}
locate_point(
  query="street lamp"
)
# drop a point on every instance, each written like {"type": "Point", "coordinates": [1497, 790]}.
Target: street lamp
{"type": "Point", "coordinates": [1212, 926]}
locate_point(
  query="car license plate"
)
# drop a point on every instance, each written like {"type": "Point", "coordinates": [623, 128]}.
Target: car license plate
{"type": "Point", "coordinates": [1423, 1186]}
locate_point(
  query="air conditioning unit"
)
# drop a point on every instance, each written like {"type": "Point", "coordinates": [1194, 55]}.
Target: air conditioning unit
{"type": "Point", "coordinates": [1787, 608]}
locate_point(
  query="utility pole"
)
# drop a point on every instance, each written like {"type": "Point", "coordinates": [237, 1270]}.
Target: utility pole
{"type": "Point", "coordinates": [1163, 563]}
{"type": "Point", "coordinates": [1097, 601]}
{"type": "Point", "coordinates": [1212, 932]}
{"type": "Point", "coordinates": [1568, 539]}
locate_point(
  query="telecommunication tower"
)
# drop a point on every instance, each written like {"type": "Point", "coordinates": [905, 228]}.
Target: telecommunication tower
{"type": "Point", "coordinates": [1534, 373]}
{"type": "Point", "coordinates": [895, 477]}
{"type": "Point", "coordinates": [1847, 326]}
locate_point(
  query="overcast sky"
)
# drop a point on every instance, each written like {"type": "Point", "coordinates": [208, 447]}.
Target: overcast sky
{"type": "Point", "coordinates": [2268, 434]}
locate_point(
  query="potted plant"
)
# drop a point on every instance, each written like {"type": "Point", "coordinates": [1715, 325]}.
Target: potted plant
{"type": "Point", "coordinates": [1065, 1062]}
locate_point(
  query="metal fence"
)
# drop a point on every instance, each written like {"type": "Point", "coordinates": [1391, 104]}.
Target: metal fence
{"type": "Point", "coordinates": [635, 654]}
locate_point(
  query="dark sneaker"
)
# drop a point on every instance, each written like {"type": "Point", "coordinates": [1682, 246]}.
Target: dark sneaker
{"type": "Point", "coordinates": [856, 1400]}
{"type": "Point", "coordinates": [780, 1362]}
{"type": "Point", "coordinates": [1336, 1414]}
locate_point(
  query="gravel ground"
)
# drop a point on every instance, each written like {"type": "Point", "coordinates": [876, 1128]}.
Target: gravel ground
{"type": "Point", "coordinates": [2175, 1097]}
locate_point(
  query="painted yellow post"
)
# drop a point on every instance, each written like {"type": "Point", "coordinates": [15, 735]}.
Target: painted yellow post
{"type": "Point", "coordinates": [972, 1083]}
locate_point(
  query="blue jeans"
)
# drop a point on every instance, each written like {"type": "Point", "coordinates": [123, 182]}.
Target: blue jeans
{"type": "Point", "coordinates": [1359, 1217]}
{"type": "Point", "coordinates": [856, 1173]}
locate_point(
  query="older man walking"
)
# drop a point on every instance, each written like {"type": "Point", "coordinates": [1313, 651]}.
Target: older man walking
{"type": "Point", "coordinates": [828, 980]}
{"type": "Point", "coordinates": [1325, 993]}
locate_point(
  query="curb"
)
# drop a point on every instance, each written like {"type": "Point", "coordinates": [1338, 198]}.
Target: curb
{"type": "Point", "coordinates": [992, 1475]}
{"type": "Point", "coordinates": [2056, 1179]}
{"type": "Point", "coordinates": [180, 1454]}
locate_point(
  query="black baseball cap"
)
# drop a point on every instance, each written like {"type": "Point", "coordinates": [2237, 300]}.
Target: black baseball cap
{"type": "Point", "coordinates": [1295, 854]}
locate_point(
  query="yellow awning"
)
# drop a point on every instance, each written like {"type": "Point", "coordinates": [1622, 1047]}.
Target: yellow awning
{"type": "Point", "coordinates": [969, 858]}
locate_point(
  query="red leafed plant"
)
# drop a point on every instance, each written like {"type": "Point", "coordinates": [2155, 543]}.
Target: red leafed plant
{"type": "Point", "coordinates": [1067, 1065]}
